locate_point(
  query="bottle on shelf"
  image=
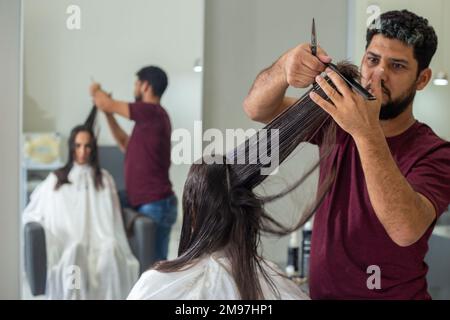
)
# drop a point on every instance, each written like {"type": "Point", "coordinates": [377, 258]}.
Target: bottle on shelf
{"type": "Point", "coordinates": [292, 268]}
{"type": "Point", "coordinates": [306, 249]}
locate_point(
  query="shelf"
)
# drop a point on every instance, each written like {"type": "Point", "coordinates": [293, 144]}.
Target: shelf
{"type": "Point", "coordinates": [52, 166]}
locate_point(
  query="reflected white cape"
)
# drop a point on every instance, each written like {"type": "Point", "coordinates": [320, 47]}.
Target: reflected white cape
{"type": "Point", "coordinates": [209, 279]}
{"type": "Point", "coordinates": [88, 256]}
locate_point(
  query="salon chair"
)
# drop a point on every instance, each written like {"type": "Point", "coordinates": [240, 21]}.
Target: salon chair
{"type": "Point", "coordinates": [140, 230]}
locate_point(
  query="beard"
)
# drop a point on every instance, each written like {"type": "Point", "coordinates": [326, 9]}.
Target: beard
{"type": "Point", "coordinates": [393, 108]}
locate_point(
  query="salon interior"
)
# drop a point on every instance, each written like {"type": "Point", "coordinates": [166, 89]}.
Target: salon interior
{"type": "Point", "coordinates": [212, 50]}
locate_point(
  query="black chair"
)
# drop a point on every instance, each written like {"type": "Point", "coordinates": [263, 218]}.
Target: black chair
{"type": "Point", "coordinates": [35, 257]}
{"type": "Point", "coordinates": [141, 232]}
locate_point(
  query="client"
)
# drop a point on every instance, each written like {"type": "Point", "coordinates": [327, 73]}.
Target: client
{"type": "Point", "coordinates": [88, 256]}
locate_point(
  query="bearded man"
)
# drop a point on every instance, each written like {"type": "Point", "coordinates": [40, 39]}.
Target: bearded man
{"type": "Point", "coordinates": [392, 172]}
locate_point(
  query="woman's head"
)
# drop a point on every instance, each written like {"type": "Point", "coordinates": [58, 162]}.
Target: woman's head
{"type": "Point", "coordinates": [217, 209]}
{"type": "Point", "coordinates": [82, 145]}
{"type": "Point", "coordinates": [83, 150]}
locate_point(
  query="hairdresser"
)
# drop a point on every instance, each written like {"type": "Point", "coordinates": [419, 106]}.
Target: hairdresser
{"type": "Point", "coordinates": [147, 151]}
{"type": "Point", "coordinates": [392, 179]}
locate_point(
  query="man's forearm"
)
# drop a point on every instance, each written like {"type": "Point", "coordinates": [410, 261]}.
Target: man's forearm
{"type": "Point", "coordinates": [119, 135]}
{"type": "Point", "coordinates": [298, 68]}
{"type": "Point", "coordinates": [267, 93]}
{"type": "Point", "coordinates": [103, 101]}
{"type": "Point", "coordinates": [405, 214]}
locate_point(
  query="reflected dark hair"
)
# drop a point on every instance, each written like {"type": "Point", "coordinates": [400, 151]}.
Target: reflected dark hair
{"type": "Point", "coordinates": [62, 174]}
{"type": "Point", "coordinates": [156, 77]}
{"type": "Point", "coordinates": [221, 210]}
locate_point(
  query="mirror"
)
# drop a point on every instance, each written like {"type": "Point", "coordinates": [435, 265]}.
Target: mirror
{"type": "Point", "coordinates": [69, 43]}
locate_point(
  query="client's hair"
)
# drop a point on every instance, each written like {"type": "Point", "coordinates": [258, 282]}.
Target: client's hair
{"type": "Point", "coordinates": [62, 174]}
{"type": "Point", "coordinates": [221, 211]}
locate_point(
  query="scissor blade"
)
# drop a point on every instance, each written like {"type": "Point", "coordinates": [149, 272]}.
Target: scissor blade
{"type": "Point", "coordinates": [313, 39]}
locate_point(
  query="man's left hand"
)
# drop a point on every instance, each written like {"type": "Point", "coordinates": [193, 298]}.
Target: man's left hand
{"type": "Point", "coordinates": [354, 114]}
{"type": "Point", "coordinates": [101, 98]}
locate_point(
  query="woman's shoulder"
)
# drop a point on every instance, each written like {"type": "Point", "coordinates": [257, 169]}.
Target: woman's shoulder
{"type": "Point", "coordinates": [192, 282]}
{"type": "Point", "coordinates": [209, 278]}
{"type": "Point", "coordinates": [285, 288]}
{"type": "Point", "coordinates": [158, 285]}
{"type": "Point", "coordinates": [106, 174]}
{"type": "Point", "coordinates": [50, 180]}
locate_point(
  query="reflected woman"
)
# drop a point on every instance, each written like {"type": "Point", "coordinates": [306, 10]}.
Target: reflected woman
{"type": "Point", "coordinates": [88, 256]}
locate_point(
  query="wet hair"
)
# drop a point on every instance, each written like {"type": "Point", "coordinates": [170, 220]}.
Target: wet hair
{"type": "Point", "coordinates": [156, 77]}
{"type": "Point", "coordinates": [410, 29]}
{"type": "Point", "coordinates": [62, 174]}
{"type": "Point", "coordinates": [221, 211]}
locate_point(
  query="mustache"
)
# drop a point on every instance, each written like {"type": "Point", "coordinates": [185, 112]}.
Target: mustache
{"type": "Point", "coordinates": [383, 87]}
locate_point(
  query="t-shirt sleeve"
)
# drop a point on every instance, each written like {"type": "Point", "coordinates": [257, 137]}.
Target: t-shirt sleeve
{"type": "Point", "coordinates": [431, 178]}
{"type": "Point", "coordinates": [140, 113]}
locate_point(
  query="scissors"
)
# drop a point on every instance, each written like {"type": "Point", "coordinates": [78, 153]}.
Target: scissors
{"type": "Point", "coordinates": [350, 81]}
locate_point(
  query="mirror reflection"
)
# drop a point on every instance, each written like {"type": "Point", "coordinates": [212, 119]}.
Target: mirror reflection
{"type": "Point", "coordinates": [100, 197]}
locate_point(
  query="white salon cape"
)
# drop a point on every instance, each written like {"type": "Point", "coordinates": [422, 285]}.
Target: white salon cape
{"type": "Point", "coordinates": [88, 256]}
{"type": "Point", "coordinates": [209, 279]}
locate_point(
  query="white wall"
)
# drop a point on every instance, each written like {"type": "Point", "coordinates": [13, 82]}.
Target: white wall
{"type": "Point", "coordinates": [241, 39]}
{"type": "Point", "coordinates": [116, 39]}
{"type": "Point", "coordinates": [10, 100]}
{"type": "Point", "coordinates": [431, 104]}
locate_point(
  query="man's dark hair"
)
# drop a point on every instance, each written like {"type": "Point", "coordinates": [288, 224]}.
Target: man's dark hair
{"type": "Point", "coordinates": [411, 30]}
{"type": "Point", "coordinates": [156, 77]}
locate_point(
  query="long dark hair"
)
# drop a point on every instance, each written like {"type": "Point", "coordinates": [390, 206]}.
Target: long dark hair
{"type": "Point", "coordinates": [62, 174]}
{"type": "Point", "coordinates": [221, 210]}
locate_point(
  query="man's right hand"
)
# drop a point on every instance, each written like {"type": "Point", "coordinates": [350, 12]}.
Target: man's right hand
{"type": "Point", "coordinates": [94, 87]}
{"type": "Point", "coordinates": [301, 67]}
{"type": "Point", "coordinates": [297, 68]}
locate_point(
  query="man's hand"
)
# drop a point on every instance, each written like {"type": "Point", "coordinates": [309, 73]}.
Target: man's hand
{"type": "Point", "coordinates": [94, 88]}
{"type": "Point", "coordinates": [101, 99]}
{"type": "Point", "coordinates": [297, 67]}
{"type": "Point", "coordinates": [104, 102]}
{"type": "Point", "coordinates": [301, 67]}
{"type": "Point", "coordinates": [354, 114]}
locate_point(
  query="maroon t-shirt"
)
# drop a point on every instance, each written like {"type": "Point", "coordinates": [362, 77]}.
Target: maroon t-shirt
{"type": "Point", "coordinates": [147, 159]}
{"type": "Point", "coordinates": [347, 236]}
